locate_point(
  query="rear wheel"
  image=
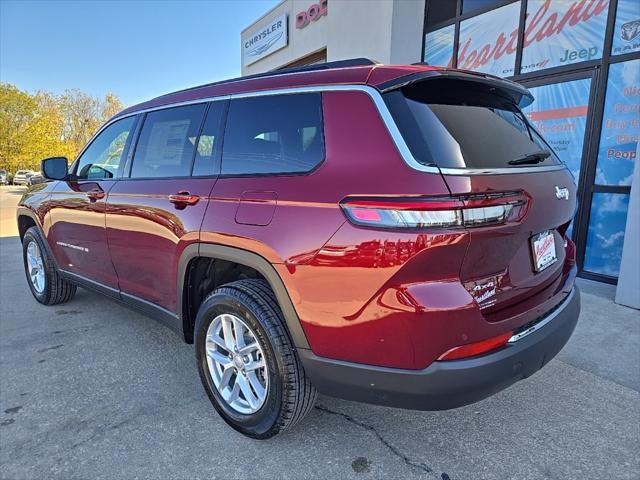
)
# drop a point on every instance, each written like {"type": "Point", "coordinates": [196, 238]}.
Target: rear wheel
{"type": "Point", "coordinates": [247, 362]}
{"type": "Point", "coordinates": [46, 285]}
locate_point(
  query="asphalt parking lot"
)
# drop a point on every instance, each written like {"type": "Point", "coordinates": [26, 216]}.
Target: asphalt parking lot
{"type": "Point", "coordinates": [90, 389]}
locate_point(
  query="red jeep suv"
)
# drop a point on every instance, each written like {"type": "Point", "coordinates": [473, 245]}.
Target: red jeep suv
{"type": "Point", "coordinates": [387, 234]}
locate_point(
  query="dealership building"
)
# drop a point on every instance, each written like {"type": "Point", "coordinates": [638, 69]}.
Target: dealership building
{"type": "Point", "coordinates": [580, 59]}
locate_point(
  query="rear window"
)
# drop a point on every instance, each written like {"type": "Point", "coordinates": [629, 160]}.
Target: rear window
{"type": "Point", "coordinates": [453, 125]}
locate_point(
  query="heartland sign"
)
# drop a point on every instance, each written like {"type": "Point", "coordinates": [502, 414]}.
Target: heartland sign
{"type": "Point", "coordinates": [265, 40]}
{"type": "Point", "coordinates": [556, 33]}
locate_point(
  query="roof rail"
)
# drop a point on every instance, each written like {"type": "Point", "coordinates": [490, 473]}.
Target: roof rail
{"type": "Point", "coordinates": [352, 62]}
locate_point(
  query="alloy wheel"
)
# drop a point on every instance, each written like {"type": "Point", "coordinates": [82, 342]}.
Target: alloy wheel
{"type": "Point", "coordinates": [237, 364]}
{"type": "Point", "coordinates": [35, 264]}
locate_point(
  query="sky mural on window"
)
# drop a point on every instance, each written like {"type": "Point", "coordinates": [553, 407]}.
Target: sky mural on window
{"type": "Point", "coordinates": [605, 237]}
{"type": "Point", "coordinates": [438, 46]}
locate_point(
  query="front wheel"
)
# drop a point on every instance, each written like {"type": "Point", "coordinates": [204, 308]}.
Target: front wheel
{"type": "Point", "coordinates": [44, 281]}
{"type": "Point", "coordinates": [247, 362]}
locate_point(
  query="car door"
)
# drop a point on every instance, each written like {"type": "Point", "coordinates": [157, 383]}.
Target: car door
{"type": "Point", "coordinates": [155, 211]}
{"type": "Point", "coordinates": [78, 235]}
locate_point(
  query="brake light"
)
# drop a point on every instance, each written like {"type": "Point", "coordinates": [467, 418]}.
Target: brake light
{"type": "Point", "coordinates": [435, 212]}
{"type": "Point", "coordinates": [477, 348]}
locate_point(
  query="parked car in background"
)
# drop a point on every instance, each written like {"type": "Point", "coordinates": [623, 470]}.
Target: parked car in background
{"type": "Point", "coordinates": [22, 177]}
{"type": "Point", "coordinates": [3, 176]}
{"type": "Point", "coordinates": [35, 178]}
{"type": "Point", "coordinates": [388, 234]}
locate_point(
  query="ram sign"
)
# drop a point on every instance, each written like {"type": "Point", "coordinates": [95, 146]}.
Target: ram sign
{"type": "Point", "coordinates": [264, 40]}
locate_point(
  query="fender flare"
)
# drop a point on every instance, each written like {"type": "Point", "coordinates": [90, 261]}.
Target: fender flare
{"type": "Point", "coordinates": [22, 211]}
{"type": "Point", "coordinates": [250, 259]}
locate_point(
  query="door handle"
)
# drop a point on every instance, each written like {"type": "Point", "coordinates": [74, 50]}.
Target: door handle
{"type": "Point", "coordinates": [183, 198]}
{"type": "Point", "coordinates": [95, 194]}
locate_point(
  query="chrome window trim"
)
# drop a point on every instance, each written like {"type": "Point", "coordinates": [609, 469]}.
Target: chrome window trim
{"type": "Point", "coordinates": [545, 321]}
{"type": "Point", "coordinates": [383, 110]}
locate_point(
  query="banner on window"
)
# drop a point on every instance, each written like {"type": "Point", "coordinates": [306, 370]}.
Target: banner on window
{"type": "Point", "coordinates": [488, 42]}
{"type": "Point", "coordinates": [559, 113]}
{"type": "Point", "coordinates": [620, 125]}
{"type": "Point", "coordinates": [562, 32]}
{"type": "Point", "coordinates": [626, 33]}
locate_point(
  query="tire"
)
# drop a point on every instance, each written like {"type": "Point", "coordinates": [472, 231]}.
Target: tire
{"type": "Point", "coordinates": [55, 289]}
{"type": "Point", "coordinates": [289, 393]}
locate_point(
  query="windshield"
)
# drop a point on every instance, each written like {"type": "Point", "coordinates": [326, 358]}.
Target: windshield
{"type": "Point", "coordinates": [466, 128]}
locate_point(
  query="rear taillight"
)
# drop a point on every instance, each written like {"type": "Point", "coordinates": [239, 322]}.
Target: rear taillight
{"type": "Point", "coordinates": [435, 212]}
{"type": "Point", "coordinates": [477, 348]}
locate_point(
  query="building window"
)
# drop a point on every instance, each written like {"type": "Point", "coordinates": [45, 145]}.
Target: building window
{"type": "Point", "coordinates": [620, 125]}
{"type": "Point", "coordinates": [439, 11]}
{"type": "Point", "coordinates": [626, 33]}
{"type": "Point", "coordinates": [606, 233]}
{"type": "Point", "coordinates": [438, 46]}
{"type": "Point", "coordinates": [472, 5]}
{"type": "Point", "coordinates": [488, 42]}
{"type": "Point", "coordinates": [561, 33]}
{"type": "Point", "coordinates": [559, 113]}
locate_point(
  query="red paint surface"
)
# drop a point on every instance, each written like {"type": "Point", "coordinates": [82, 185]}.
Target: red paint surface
{"type": "Point", "coordinates": [383, 297]}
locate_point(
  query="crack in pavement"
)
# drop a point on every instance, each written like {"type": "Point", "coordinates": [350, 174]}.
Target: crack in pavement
{"type": "Point", "coordinates": [423, 467]}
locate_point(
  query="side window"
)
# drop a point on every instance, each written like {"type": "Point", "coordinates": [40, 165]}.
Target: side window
{"type": "Point", "coordinates": [167, 142]}
{"type": "Point", "coordinates": [273, 134]}
{"type": "Point", "coordinates": [209, 143]}
{"type": "Point", "coordinates": [104, 156]}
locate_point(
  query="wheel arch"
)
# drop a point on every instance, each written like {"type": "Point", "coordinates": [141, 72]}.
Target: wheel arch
{"type": "Point", "coordinates": [26, 219]}
{"type": "Point", "coordinates": [245, 258]}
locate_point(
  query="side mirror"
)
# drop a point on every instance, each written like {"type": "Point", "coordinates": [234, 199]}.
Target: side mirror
{"type": "Point", "coordinates": [55, 168]}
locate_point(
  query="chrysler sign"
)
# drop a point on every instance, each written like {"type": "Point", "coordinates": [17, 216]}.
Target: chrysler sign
{"type": "Point", "coordinates": [264, 40]}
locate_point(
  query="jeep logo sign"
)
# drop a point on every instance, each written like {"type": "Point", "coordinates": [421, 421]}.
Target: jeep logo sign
{"type": "Point", "coordinates": [312, 14]}
{"type": "Point", "coordinates": [265, 40]}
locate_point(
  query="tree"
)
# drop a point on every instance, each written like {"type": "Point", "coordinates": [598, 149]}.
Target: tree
{"type": "Point", "coordinates": [40, 125]}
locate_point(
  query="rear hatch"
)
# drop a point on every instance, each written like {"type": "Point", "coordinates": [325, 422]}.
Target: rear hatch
{"type": "Point", "coordinates": [471, 128]}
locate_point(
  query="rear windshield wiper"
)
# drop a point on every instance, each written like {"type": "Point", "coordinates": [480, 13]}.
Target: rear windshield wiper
{"type": "Point", "coordinates": [535, 157]}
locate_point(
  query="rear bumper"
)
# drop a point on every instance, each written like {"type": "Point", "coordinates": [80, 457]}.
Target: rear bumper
{"type": "Point", "coordinates": [451, 384]}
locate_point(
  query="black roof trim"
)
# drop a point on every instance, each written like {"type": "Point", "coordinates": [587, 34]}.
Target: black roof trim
{"type": "Point", "coordinates": [352, 62]}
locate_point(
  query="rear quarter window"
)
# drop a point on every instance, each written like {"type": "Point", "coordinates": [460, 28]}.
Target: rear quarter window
{"type": "Point", "coordinates": [273, 134]}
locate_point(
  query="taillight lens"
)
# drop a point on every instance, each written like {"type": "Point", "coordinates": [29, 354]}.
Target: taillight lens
{"type": "Point", "coordinates": [435, 212]}
{"type": "Point", "coordinates": [477, 348]}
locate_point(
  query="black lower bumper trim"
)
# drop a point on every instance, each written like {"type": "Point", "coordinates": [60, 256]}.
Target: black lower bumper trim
{"type": "Point", "coordinates": [451, 384]}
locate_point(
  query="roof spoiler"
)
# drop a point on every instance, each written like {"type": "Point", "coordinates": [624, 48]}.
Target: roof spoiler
{"type": "Point", "coordinates": [513, 91]}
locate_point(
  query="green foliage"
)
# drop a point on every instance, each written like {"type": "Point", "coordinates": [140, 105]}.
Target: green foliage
{"type": "Point", "coordinates": [41, 125]}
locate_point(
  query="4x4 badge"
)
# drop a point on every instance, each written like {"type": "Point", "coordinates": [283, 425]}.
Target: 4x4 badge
{"type": "Point", "coordinates": [562, 193]}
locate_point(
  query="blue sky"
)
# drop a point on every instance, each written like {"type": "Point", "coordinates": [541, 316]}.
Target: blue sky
{"type": "Point", "coordinates": [136, 50]}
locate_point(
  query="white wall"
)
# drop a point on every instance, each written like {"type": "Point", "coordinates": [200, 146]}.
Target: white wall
{"type": "Point", "coordinates": [628, 290]}
{"type": "Point", "coordinates": [388, 31]}
{"type": "Point", "coordinates": [302, 41]}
